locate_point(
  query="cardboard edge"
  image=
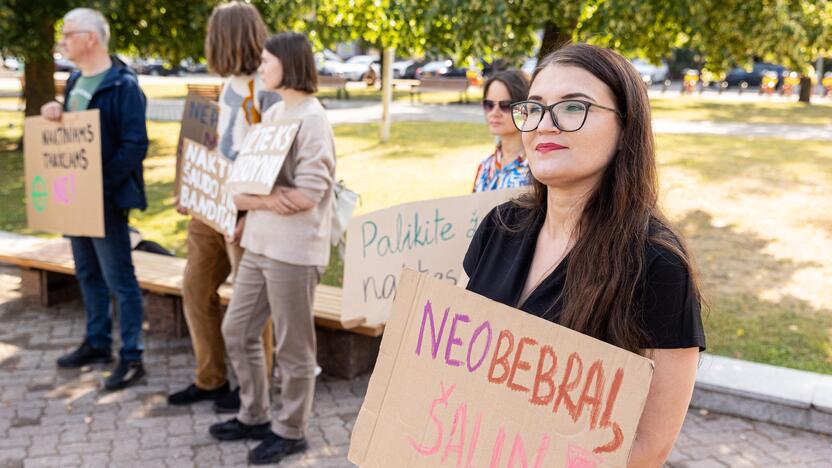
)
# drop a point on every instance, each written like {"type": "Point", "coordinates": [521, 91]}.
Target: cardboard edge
{"type": "Point", "coordinates": [410, 282]}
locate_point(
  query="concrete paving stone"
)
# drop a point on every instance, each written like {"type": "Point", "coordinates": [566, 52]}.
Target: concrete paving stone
{"type": "Point", "coordinates": [180, 463]}
{"type": "Point", "coordinates": [42, 450]}
{"type": "Point", "coordinates": [704, 463]}
{"type": "Point", "coordinates": [12, 442]}
{"type": "Point", "coordinates": [53, 462]}
{"type": "Point", "coordinates": [83, 448]}
{"type": "Point", "coordinates": [75, 414]}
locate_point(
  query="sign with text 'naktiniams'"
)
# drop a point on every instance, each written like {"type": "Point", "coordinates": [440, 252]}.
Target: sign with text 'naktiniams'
{"type": "Point", "coordinates": [62, 167]}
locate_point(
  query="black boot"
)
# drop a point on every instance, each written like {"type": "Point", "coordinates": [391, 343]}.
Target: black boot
{"type": "Point", "coordinates": [229, 403]}
{"type": "Point", "coordinates": [233, 429]}
{"type": "Point", "coordinates": [85, 355]}
{"type": "Point", "coordinates": [193, 394]}
{"type": "Point", "coordinates": [275, 448]}
{"type": "Point", "coordinates": [124, 375]}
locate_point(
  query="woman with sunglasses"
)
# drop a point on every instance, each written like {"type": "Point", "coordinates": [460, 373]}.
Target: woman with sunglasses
{"type": "Point", "coordinates": [507, 166]}
{"type": "Point", "coordinates": [590, 248]}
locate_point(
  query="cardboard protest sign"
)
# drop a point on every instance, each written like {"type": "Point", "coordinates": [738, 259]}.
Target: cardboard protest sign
{"type": "Point", "coordinates": [464, 381]}
{"type": "Point", "coordinates": [62, 167]}
{"type": "Point", "coordinates": [429, 236]}
{"type": "Point", "coordinates": [204, 174]}
{"type": "Point", "coordinates": [199, 124]}
{"type": "Point", "coordinates": [261, 156]}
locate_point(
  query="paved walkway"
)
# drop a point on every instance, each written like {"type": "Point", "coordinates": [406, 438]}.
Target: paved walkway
{"type": "Point", "coordinates": [346, 112]}
{"type": "Point", "coordinates": [51, 417]}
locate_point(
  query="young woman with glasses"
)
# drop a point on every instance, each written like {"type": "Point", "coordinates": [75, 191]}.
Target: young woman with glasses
{"type": "Point", "coordinates": [507, 167]}
{"type": "Point", "coordinates": [591, 250]}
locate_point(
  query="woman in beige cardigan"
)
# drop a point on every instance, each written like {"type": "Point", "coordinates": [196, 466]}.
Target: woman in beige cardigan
{"type": "Point", "coordinates": [286, 243]}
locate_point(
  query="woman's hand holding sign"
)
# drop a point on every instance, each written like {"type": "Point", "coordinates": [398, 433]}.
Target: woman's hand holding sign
{"type": "Point", "coordinates": [283, 201]}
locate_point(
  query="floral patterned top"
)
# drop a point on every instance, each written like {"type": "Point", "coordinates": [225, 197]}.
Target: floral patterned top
{"type": "Point", "coordinates": [491, 175]}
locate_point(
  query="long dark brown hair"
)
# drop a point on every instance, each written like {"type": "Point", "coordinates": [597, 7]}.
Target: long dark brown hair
{"type": "Point", "coordinates": [602, 296]}
{"type": "Point", "coordinates": [236, 33]}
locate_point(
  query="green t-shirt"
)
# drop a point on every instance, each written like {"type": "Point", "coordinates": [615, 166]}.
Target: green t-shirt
{"type": "Point", "coordinates": [81, 93]}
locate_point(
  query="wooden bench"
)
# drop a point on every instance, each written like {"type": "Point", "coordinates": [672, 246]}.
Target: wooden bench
{"type": "Point", "coordinates": [47, 273]}
{"type": "Point", "coordinates": [339, 84]}
{"type": "Point", "coordinates": [459, 85]}
{"type": "Point", "coordinates": [208, 91]}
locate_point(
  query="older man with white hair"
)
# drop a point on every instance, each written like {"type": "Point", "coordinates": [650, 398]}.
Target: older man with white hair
{"type": "Point", "coordinates": [104, 266]}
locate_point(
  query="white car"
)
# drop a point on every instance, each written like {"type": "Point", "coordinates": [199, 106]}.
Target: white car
{"type": "Point", "coordinates": [359, 68]}
{"type": "Point", "coordinates": [400, 67]}
{"type": "Point", "coordinates": [649, 72]}
{"type": "Point", "coordinates": [12, 63]}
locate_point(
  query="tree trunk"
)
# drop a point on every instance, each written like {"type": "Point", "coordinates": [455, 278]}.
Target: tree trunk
{"type": "Point", "coordinates": [805, 89]}
{"type": "Point", "coordinates": [39, 70]}
{"type": "Point", "coordinates": [553, 39]}
{"type": "Point", "coordinates": [39, 84]}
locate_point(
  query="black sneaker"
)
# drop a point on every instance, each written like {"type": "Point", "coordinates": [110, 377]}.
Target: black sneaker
{"type": "Point", "coordinates": [275, 448]}
{"type": "Point", "coordinates": [229, 403]}
{"type": "Point", "coordinates": [125, 374]}
{"type": "Point", "coordinates": [193, 394]}
{"type": "Point", "coordinates": [233, 429]}
{"type": "Point", "coordinates": [85, 355]}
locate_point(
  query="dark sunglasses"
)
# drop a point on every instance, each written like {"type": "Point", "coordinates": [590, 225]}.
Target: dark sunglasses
{"type": "Point", "coordinates": [488, 105]}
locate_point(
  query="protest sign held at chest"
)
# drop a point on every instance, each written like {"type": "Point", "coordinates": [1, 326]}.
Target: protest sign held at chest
{"type": "Point", "coordinates": [199, 124]}
{"type": "Point", "coordinates": [429, 236]}
{"type": "Point", "coordinates": [63, 172]}
{"type": "Point", "coordinates": [204, 173]}
{"type": "Point", "coordinates": [464, 381]}
{"type": "Point", "coordinates": [261, 156]}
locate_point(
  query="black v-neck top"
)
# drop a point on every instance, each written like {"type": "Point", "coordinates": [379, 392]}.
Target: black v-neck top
{"type": "Point", "coordinates": [498, 262]}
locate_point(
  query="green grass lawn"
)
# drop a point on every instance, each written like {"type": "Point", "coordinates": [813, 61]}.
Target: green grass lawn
{"type": "Point", "coordinates": [757, 214]}
{"type": "Point", "coordinates": [780, 113]}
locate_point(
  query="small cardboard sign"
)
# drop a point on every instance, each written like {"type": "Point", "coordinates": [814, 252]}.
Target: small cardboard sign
{"type": "Point", "coordinates": [261, 156]}
{"type": "Point", "coordinates": [429, 236]}
{"type": "Point", "coordinates": [62, 167]}
{"type": "Point", "coordinates": [199, 124]}
{"type": "Point", "coordinates": [464, 381]}
{"type": "Point", "coordinates": [201, 191]}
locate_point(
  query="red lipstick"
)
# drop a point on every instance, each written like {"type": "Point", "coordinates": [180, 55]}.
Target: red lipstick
{"type": "Point", "coordinates": [548, 147]}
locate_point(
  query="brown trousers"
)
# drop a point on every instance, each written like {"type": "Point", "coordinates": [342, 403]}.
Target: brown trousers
{"type": "Point", "coordinates": [208, 266]}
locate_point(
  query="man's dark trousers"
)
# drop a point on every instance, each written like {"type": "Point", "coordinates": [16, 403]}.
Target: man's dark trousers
{"type": "Point", "coordinates": [104, 266]}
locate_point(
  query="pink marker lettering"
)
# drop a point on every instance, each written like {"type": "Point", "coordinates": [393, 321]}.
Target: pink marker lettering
{"type": "Point", "coordinates": [453, 340]}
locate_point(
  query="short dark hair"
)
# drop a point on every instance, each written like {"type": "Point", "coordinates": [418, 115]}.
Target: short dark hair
{"type": "Point", "coordinates": [516, 81]}
{"type": "Point", "coordinates": [295, 54]}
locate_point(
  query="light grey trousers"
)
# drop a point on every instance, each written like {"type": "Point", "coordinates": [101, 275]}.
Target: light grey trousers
{"type": "Point", "coordinates": [289, 291]}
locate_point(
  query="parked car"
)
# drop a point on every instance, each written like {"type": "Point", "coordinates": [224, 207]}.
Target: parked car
{"type": "Point", "coordinates": [400, 68]}
{"type": "Point", "coordinates": [192, 66]}
{"type": "Point", "coordinates": [62, 64]}
{"type": "Point", "coordinates": [440, 68]}
{"type": "Point", "coordinates": [360, 68]}
{"type": "Point", "coordinates": [754, 76]}
{"type": "Point", "coordinates": [410, 71]}
{"type": "Point", "coordinates": [327, 62]}
{"type": "Point", "coordinates": [12, 63]}
{"type": "Point", "coordinates": [155, 67]}
{"type": "Point", "coordinates": [650, 73]}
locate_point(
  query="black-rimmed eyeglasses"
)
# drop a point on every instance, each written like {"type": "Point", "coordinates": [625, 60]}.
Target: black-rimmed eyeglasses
{"type": "Point", "coordinates": [567, 116]}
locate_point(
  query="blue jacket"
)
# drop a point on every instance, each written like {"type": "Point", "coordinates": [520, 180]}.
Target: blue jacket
{"type": "Point", "coordinates": [123, 134]}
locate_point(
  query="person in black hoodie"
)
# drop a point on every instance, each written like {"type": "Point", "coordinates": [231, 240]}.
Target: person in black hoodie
{"type": "Point", "coordinates": [104, 266]}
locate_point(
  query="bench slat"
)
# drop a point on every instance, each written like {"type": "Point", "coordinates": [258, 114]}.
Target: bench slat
{"type": "Point", "coordinates": [163, 275]}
